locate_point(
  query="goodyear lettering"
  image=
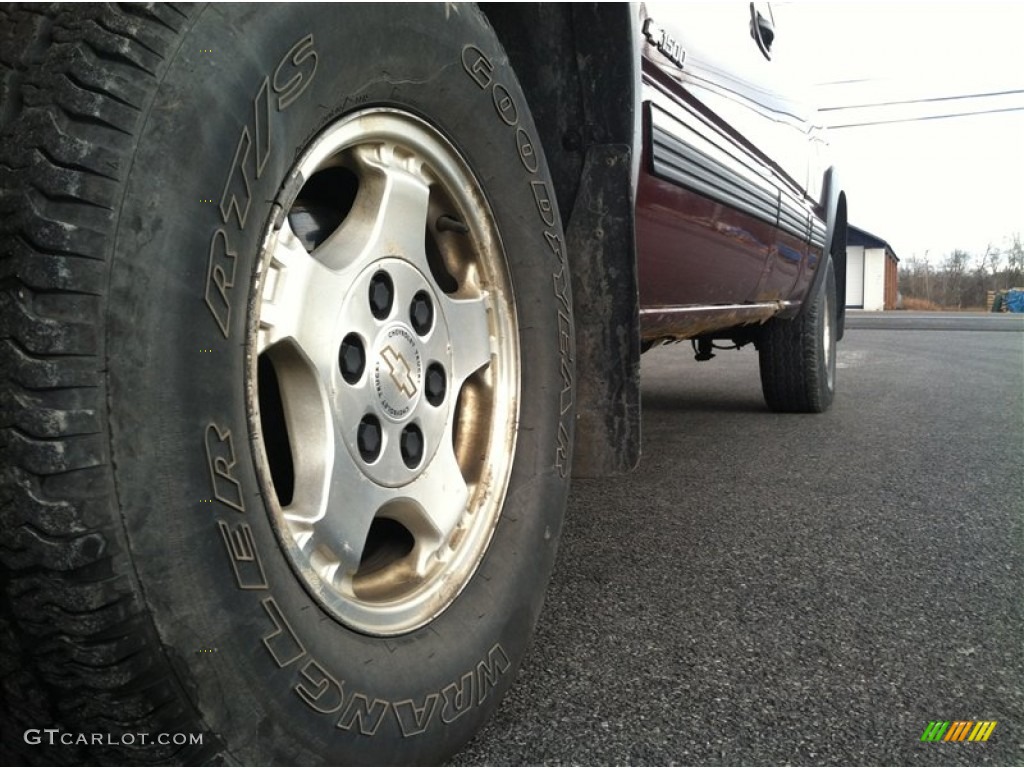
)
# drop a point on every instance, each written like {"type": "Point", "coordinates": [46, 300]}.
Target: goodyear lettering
{"type": "Point", "coordinates": [481, 72]}
{"type": "Point", "coordinates": [505, 104]}
{"type": "Point", "coordinates": [561, 279]}
{"type": "Point", "coordinates": [564, 339]}
{"type": "Point", "coordinates": [542, 196]}
{"type": "Point", "coordinates": [477, 66]}
{"type": "Point", "coordinates": [555, 244]}
{"type": "Point", "coordinates": [527, 153]}
{"type": "Point", "coordinates": [565, 365]}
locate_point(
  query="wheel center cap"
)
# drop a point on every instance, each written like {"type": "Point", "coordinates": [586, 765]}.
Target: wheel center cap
{"type": "Point", "coordinates": [398, 372]}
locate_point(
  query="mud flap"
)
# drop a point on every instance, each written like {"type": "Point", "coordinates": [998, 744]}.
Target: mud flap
{"type": "Point", "coordinates": [600, 239]}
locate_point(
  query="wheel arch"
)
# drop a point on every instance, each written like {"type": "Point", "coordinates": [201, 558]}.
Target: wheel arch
{"type": "Point", "coordinates": [837, 248]}
{"type": "Point", "coordinates": [833, 210]}
{"type": "Point", "coordinates": [579, 66]}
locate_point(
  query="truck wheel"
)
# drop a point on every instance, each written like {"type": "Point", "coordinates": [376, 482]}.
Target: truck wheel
{"type": "Point", "coordinates": [279, 485]}
{"type": "Point", "coordinates": [798, 357]}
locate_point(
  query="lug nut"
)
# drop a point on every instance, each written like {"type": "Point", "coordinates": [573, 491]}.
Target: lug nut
{"type": "Point", "coordinates": [369, 438]}
{"type": "Point", "coordinates": [435, 384]}
{"type": "Point", "coordinates": [382, 295]}
{"type": "Point", "coordinates": [411, 444]}
{"type": "Point", "coordinates": [421, 313]}
{"type": "Point", "coordinates": [351, 358]}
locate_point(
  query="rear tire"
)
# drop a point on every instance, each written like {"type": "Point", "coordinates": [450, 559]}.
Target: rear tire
{"type": "Point", "coordinates": [798, 357]}
{"type": "Point", "coordinates": [203, 537]}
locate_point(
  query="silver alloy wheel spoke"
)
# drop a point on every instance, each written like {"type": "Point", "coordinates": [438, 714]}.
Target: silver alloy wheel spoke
{"type": "Point", "coordinates": [439, 497]}
{"type": "Point", "coordinates": [473, 351]}
{"type": "Point", "coordinates": [284, 286]}
{"type": "Point", "coordinates": [299, 292]}
{"type": "Point", "coordinates": [344, 525]}
{"type": "Point", "coordinates": [392, 212]}
{"type": "Point", "coordinates": [438, 500]}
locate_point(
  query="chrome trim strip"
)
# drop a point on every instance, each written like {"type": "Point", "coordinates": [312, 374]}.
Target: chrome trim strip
{"type": "Point", "coordinates": [679, 323]}
{"type": "Point", "coordinates": [818, 233]}
{"type": "Point", "coordinates": [680, 155]}
{"type": "Point", "coordinates": [777, 306]}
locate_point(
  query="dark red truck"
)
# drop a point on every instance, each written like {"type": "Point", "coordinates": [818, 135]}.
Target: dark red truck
{"type": "Point", "coordinates": [731, 216]}
{"type": "Point", "coordinates": [308, 314]}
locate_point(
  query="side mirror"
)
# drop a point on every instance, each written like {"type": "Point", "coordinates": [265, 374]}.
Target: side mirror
{"type": "Point", "coordinates": [762, 30]}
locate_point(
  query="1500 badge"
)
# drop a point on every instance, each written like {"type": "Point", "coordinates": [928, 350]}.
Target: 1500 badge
{"type": "Point", "coordinates": [664, 42]}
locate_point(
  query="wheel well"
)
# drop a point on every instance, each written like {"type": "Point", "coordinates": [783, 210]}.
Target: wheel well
{"type": "Point", "coordinates": [579, 66]}
{"type": "Point", "coordinates": [838, 252]}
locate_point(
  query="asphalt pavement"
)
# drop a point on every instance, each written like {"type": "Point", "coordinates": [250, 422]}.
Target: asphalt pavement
{"type": "Point", "coordinates": [785, 589]}
{"type": "Point", "coordinates": [935, 321]}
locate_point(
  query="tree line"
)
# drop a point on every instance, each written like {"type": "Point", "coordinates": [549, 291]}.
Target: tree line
{"type": "Point", "coordinates": [964, 279]}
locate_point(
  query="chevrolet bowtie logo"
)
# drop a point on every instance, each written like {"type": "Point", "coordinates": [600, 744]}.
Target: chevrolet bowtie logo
{"type": "Point", "coordinates": [401, 373]}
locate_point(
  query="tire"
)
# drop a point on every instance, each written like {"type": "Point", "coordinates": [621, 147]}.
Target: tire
{"type": "Point", "coordinates": [798, 357]}
{"type": "Point", "coordinates": [276, 475]}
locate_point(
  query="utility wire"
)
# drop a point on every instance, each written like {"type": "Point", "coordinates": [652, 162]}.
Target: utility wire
{"type": "Point", "coordinates": [924, 100]}
{"type": "Point", "coordinates": [927, 117]}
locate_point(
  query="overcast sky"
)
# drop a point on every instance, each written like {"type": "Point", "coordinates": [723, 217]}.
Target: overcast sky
{"type": "Point", "coordinates": [924, 186]}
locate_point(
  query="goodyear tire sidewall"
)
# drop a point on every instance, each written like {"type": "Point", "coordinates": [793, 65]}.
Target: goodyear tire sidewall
{"type": "Point", "coordinates": [270, 671]}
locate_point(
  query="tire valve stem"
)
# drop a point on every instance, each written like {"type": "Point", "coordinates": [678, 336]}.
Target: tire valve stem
{"type": "Point", "coordinates": [446, 223]}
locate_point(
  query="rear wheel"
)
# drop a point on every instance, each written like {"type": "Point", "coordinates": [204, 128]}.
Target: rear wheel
{"type": "Point", "coordinates": [798, 357]}
{"type": "Point", "coordinates": [280, 479]}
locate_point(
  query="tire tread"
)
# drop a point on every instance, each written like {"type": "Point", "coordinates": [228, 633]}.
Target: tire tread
{"type": "Point", "coordinates": [791, 377]}
{"type": "Point", "coordinates": [77, 648]}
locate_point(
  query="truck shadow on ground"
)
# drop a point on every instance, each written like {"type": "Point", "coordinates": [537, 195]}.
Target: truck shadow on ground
{"type": "Point", "coordinates": [690, 400]}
